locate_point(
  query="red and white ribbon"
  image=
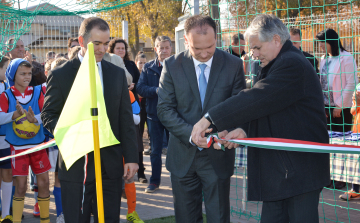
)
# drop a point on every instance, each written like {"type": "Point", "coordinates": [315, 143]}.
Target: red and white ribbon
{"type": "Point", "coordinates": [32, 150]}
{"type": "Point", "coordinates": [289, 145]}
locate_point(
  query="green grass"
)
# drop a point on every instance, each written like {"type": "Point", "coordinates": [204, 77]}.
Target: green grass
{"type": "Point", "coordinates": [170, 219]}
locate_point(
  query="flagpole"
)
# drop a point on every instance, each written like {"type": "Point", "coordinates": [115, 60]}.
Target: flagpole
{"type": "Point", "coordinates": [94, 114]}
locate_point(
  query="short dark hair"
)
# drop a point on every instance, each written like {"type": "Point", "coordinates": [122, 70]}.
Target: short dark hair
{"type": "Point", "coordinates": [139, 55]}
{"type": "Point", "coordinates": [4, 59]}
{"type": "Point", "coordinates": [331, 37]}
{"type": "Point", "coordinates": [72, 40]}
{"type": "Point", "coordinates": [113, 43]}
{"type": "Point", "coordinates": [295, 31]}
{"type": "Point", "coordinates": [199, 21]}
{"type": "Point", "coordinates": [59, 55]}
{"type": "Point", "coordinates": [236, 37]}
{"type": "Point", "coordinates": [50, 54]}
{"type": "Point", "coordinates": [89, 23]}
{"type": "Point", "coordinates": [25, 64]}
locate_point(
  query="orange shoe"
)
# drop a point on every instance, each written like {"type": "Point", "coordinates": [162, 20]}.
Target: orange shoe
{"type": "Point", "coordinates": [36, 211]}
{"type": "Point", "coordinates": [350, 195]}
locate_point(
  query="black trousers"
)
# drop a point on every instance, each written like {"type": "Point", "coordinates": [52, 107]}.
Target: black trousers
{"type": "Point", "coordinates": [188, 190]}
{"type": "Point", "coordinates": [72, 195]}
{"type": "Point", "coordinates": [297, 209]}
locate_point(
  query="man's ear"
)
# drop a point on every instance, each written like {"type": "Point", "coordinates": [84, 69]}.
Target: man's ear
{"type": "Point", "coordinates": [81, 41]}
{"type": "Point", "coordinates": [277, 40]}
{"type": "Point", "coordinates": [155, 50]}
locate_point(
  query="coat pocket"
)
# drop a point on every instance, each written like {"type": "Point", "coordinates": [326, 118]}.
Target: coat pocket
{"type": "Point", "coordinates": [285, 162]}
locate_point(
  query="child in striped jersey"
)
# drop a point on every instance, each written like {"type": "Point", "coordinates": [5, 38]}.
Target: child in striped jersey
{"type": "Point", "coordinates": [21, 98]}
{"type": "Point", "coordinates": [5, 166]}
{"type": "Point", "coordinates": [33, 181]}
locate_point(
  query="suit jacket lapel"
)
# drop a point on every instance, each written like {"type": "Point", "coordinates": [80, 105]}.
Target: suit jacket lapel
{"type": "Point", "coordinates": [106, 80]}
{"type": "Point", "coordinates": [189, 70]}
{"type": "Point", "coordinates": [216, 67]}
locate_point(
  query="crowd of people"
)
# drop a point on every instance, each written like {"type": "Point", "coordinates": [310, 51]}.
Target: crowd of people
{"type": "Point", "coordinates": [287, 94]}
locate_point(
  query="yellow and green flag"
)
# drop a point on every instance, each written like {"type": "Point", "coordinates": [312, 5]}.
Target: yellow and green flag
{"type": "Point", "coordinates": [74, 131]}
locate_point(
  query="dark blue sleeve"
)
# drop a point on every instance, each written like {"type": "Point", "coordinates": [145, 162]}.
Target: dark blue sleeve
{"type": "Point", "coordinates": [143, 88]}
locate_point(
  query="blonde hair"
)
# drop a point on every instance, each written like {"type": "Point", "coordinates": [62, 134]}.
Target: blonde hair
{"type": "Point", "coordinates": [48, 65]}
{"type": "Point", "coordinates": [57, 62]}
{"type": "Point", "coordinates": [73, 52]}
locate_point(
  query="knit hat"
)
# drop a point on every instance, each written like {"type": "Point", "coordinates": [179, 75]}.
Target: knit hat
{"type": "Point", "coordinates": [11, 70]}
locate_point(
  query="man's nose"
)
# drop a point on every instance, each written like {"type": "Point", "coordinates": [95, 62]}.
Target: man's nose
{"type": "Point", "coordinates": [203, 54]}
{"type": "Point", "coordinates": [102, 49]}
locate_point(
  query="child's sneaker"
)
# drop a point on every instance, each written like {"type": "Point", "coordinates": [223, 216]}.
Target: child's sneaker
{"type": "Point", "coordinates": [7, 219]}
{"type": "Point", "coordinates": [134, 217]}
{"type": "Point", "coordinates": [36, 211]}
{"type": "Point", "coordinates": [60, 218]}
{"type": "Point", "coordinates": [350, 195]}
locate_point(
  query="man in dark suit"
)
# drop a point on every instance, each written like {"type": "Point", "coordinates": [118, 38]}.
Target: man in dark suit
{"type": "Point", "coordinates": [286, 102]}
{"type": "Point", "coordinates": [237, 47]}
{"type": "Point", "coordinates": [77, 208]}
{"type": "Point", "coordinates": [191, 83]}
{"type": "Point", "coordinates": [295, 37]}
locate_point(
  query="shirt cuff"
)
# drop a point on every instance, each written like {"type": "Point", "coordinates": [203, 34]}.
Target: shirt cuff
{"type": "Point", "coordinates": [38, 118]}
{"type": "Point", "coordinates": [136, 119]}
{"type": "Point", "coordinates": [191, 142]}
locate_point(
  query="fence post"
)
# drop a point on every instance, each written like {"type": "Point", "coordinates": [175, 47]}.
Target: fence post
{"type": "Point", "coordinates": [125, 30]}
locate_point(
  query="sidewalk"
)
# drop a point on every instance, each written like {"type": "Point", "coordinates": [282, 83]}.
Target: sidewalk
{"type": "Point", "coordinates": [149, 205]}
{"type": "Point", "coordinates": [160, 203]}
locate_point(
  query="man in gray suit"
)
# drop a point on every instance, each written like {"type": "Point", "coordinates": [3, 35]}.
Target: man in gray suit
{"type": "Point", "coordinates": [191, 83]}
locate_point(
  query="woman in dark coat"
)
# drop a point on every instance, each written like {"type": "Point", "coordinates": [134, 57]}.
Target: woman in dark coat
{"type": "Point", "coordinates": [120, 47]}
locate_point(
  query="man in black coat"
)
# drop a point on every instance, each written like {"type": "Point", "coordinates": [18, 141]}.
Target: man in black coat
{"type": "Point", "coordinates": [286, 102]}
{"type": "Point", "coordinates": [80, 201]}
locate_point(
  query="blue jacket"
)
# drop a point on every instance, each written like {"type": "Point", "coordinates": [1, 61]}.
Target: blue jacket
{"type": "Point", "coordinates": [147, 85]}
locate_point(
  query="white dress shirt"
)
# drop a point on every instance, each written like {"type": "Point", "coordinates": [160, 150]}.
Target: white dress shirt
{"type": "Point", "coordinates": [206, 71]}
{"type": "Point", "coordinates": [99, 69]}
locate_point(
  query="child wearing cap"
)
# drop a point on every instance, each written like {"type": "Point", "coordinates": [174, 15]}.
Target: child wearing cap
{"type": "Point", "coordinates": [16, 101]}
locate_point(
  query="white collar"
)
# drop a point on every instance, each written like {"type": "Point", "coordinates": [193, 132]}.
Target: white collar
{"type": "Point", "coordinates": [208, 63]}
{"type": "Point", "coordinates": [81, 59]}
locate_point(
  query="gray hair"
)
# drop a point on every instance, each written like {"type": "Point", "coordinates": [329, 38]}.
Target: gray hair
{"type": "Point", "coordinates": [162, 39]}
{"type": "Point", "coordinates": [266, 26]}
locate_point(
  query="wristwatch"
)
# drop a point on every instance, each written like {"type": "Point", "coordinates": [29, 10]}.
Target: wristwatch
{"type": "Point", "coordinates": [207, 116]}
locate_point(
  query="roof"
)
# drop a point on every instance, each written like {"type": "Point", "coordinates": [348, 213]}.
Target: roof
{"type": "Point", "coordinates": [74, 20]}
